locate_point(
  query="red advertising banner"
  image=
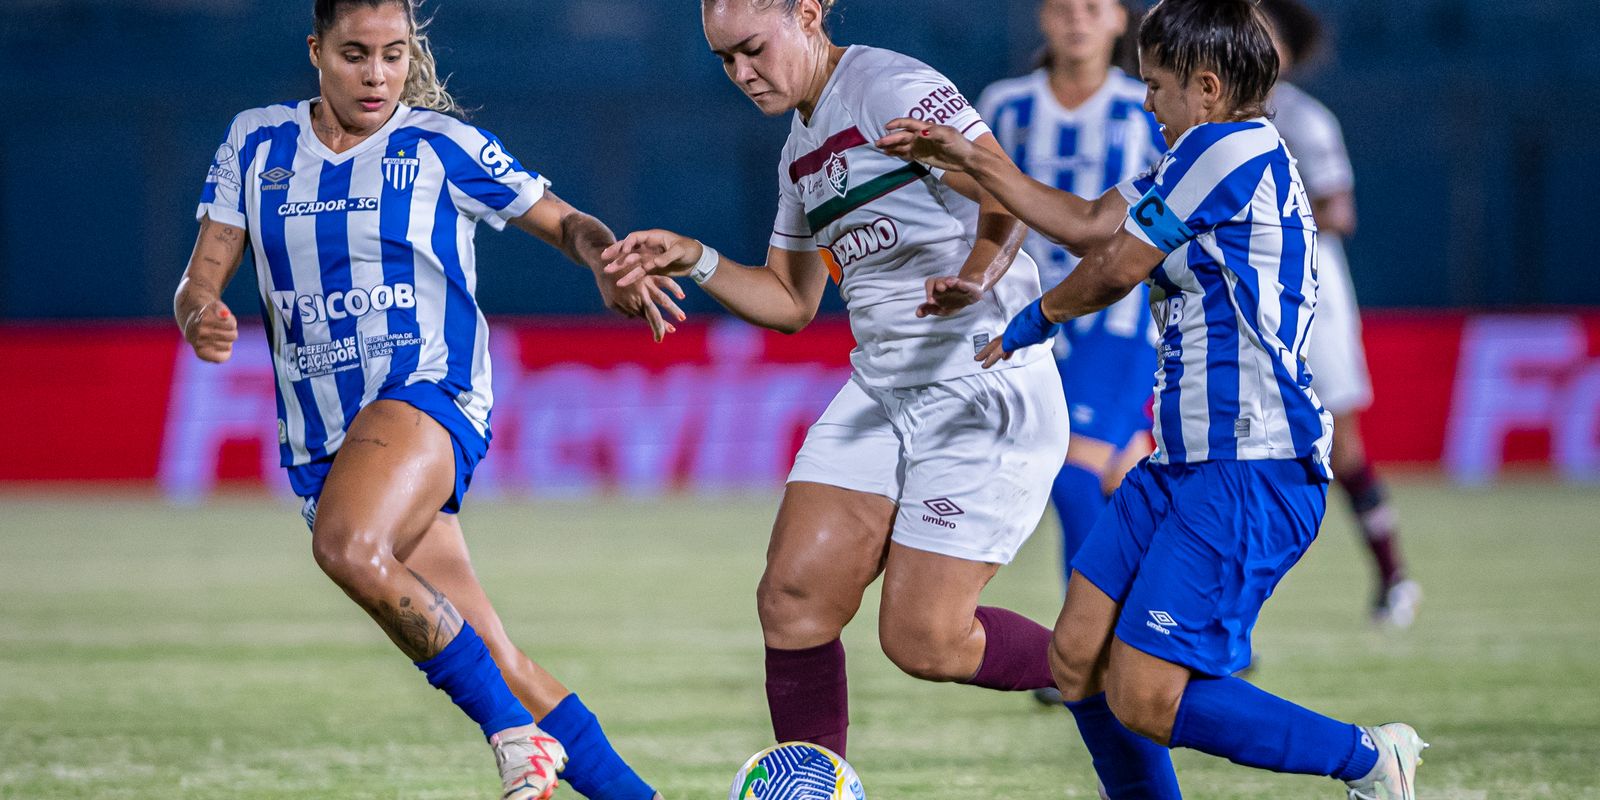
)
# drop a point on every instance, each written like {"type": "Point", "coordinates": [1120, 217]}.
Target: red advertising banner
{"type": "Point", "coordinates": [586, 405]}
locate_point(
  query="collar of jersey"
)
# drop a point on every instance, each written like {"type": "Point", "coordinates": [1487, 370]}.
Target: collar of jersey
{"type": "Point", "coordinates": [302, 115]}
{"type": "Point", "coordinates": [827, 88]}
{"type": "Point", "coordinates": [1240, 123]}
{"type": "Point", "coordinates": [1043, 76]}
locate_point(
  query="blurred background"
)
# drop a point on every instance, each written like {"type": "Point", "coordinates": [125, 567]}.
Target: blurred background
{"type": "Point", "coordinates": [167, 636]}
{"type": "Point", "coordinates": [1467, 121]}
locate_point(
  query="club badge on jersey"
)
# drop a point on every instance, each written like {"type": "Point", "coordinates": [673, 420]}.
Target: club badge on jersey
{"type": "Point", "coordinates": [400, 169]}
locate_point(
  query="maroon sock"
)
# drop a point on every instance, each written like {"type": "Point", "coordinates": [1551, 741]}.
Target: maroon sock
{"type": "Point", "coordinates": [1016, 652]}
{"type": "Point", "coordinates": [1369, 499]}
{"type": "Point", "coordinates": [807, 695]}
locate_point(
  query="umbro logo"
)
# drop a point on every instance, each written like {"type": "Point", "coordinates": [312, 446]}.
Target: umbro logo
{"type": "Point", "coordinates": [943, 507]}
{"type": "Point", "coordinates": [1161, 622]}
{"type": "Point", "coordinates": [275, 179]}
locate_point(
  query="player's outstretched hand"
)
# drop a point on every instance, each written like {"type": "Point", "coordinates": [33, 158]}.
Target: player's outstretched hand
{"type": "Point", "coordinates": [653, 300]}
{"type": "Point", "coordinates": [935, 145]}
{"type": "Point", "coordinates": [1029, 327]}
{"type": "Point", "coordinates": [948, 295]}
{"type": "Point", "coordinates": [211, 331]}
{"type": "Point", "coordinates": [655, 252]}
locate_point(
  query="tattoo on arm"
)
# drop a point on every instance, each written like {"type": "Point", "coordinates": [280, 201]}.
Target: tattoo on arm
{"type": "Point", "coordinates": [583, 237]}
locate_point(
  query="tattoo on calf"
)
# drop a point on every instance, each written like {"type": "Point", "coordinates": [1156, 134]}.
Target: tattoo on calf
{"type": "Point", "coordinates": [422, 627]}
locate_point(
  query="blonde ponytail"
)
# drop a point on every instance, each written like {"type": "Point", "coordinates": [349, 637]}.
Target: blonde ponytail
{"type": "Point", "coordinates": [424, 88]}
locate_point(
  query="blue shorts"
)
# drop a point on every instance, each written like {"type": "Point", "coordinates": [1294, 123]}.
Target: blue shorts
{"type": "Point", "coordinates": [1191, 551]}
{"type": "Point", "coordinates": [430, 399]}
{"type": "Point", "coordinates": [1108, 382]}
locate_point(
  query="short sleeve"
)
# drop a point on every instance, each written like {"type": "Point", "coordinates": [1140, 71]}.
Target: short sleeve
{"type": "Point", "coordinates": [1200, 185]}
{"type": "Point", "coordinates": [221, 197]}
{"type": "Point", "coordinates": [790, 231]}
{"type": "Point", "coordinates": [1323, 162]}
{"type": "Point", "coordinates": [494, 186]}
{"type": "Point", "coordinates": [921, 94]}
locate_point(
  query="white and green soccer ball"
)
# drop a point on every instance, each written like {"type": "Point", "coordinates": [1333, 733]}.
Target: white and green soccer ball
{"type": "Point", "coordinates": [796, 771]}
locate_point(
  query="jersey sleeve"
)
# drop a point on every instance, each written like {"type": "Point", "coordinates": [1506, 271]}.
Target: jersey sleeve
{"type": "Point", "coordinates": [222, 198]}
{"type": "Point", "coordinates": [1200, 185]}
{"type": "Point", "coordinates": [494, 187]}
{"type": "Point", "coordinates": [1319, 149]}
{"type": "Point", "coordinates": [921, 94]}
{"type": "Point", "coordinates": [790, 231]}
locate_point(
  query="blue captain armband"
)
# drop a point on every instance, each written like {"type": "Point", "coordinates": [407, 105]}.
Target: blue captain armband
{"type": "Point", "coordinates": [1159, 223]}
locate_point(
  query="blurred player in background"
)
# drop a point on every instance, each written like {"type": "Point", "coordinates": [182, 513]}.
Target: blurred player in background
{"type": "Point", "coordinates": [924, 468]}
{"type": "Point", "coordinates": [1078, 123]}
{"type": "Point", "coordinates": [360, 206]}
{"type": "Point", "coordinates": [1167, 590]}
{"type": "Point", "coordinates": [1337, 358]}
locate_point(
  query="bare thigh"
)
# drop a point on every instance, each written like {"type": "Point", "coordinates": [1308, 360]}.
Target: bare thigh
{"type": "Point", "coordinates": [828, 544]}
{"type": "Point", "coordinates": [391, 475]}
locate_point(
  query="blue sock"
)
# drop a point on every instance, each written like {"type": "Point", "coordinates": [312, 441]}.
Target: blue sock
{"type": "Point", "coordinates": [1131, 766]}
{"type": "Point", "coordinates": [1230, 718]}
{"type": "Point", "coordinates": [465, 671]}
{"type": "Point", "coordinates": [1078, 500]}
{"type": "Point", "coordinates": [593, 769]}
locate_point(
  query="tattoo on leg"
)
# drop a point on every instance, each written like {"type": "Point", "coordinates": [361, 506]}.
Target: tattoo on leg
{"type": "Point", "coordinates": [420, 628]}
{"type": "Point", "coordinates": [368, 440]}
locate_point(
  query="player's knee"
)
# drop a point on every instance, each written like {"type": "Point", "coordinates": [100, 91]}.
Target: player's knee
{"type": "Point", "coordinates": [350, 558]}
{"type": "Point", "coordinates": [1072, 670]}
{"type": "Point", "coordinates": [1145, 709]}
{"type": "Point", "coordinates": [793, 614]}
{"type": "Point", "coordinates": [924, 649]}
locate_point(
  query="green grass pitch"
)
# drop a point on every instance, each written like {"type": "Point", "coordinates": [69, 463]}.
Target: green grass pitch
{"type": "Point", "coordinates": [156, 652]}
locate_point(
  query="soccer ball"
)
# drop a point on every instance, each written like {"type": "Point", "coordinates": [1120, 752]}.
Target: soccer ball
{"type": "Point", "coordinates": [796, 771]}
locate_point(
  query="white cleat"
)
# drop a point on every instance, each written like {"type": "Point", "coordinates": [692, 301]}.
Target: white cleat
{"type": "Point", "coordinates": [1394, 776]}
{"type": "Point", "coordinates": [1398, 608]}
{"type": "Point", "coordinates": [529, 760]}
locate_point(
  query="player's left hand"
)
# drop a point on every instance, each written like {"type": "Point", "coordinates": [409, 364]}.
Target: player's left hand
{"type": "Point", "coordinates": [935, 145]}
{"type": "Point", "coordinates": [652, 299]}
{"type": "Point", "coordinates": [948, 295]}
{"type": "Point", "coordinates": [1029, 327]}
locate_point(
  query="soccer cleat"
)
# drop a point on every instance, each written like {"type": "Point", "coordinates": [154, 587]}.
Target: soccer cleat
{"type": "Point", "coordinates": [1394, 776]}
{"type": "Point", "coordinates": [529, 760]}
{"type": "Point", "coordinates": [1397, 605]}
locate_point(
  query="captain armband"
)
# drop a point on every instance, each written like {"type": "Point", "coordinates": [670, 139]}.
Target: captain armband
{"type": "Point", "coordinates": [1159, 223]}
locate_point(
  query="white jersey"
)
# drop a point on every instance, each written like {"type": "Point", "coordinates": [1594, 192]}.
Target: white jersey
{"type": "Point", "coordinates": [1313, 135]}
{"type": "Point", "coordinates": [365, 259]}
{"type": "Point", "coordinates": [1087, 150]}
{"type": "Point", "coordinates": [884, 226]}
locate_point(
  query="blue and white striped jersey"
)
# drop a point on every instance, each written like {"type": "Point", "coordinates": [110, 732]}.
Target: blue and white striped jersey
{"type": "Point", "coordinates": [365, 259]}
{"type": "Point", "coordinates": [1234, 298]}
{"type": "Point", "coordinates": [1086, 150]}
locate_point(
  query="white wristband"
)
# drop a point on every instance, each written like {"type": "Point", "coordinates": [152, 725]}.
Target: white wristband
{"type": "Point", "coordinates": [706, 266]}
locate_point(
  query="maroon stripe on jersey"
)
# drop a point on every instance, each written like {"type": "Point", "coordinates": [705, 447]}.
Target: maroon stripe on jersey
{"type": "Point", "coordinates": [813, 161]}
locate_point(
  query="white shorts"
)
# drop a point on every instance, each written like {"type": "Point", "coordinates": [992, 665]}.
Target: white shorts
{"type": "Point", "coordinates": [1335, 355]}
{"type": "Point", "coordinates": [970, 461]}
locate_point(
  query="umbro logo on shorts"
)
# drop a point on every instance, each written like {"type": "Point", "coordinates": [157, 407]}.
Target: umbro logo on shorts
{"type": "Point", "coordinates": [944, 507]}
{"type": "Point", "coordinates": [1160, 622]}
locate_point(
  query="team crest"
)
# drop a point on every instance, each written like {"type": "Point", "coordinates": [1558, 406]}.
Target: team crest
{"type": "Point", "coordinates": [401, 170]}
{"type": "Point", "coordinates": [838, 172]}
